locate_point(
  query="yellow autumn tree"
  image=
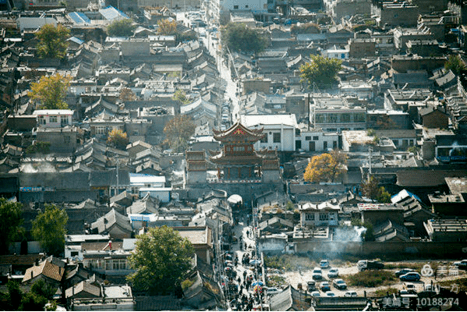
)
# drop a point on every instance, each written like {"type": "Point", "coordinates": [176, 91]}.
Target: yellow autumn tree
{"type": "Point", "coordinates": [178, 131]}
{"type": "Point", "coordinates": [117, 138]}
{"type": "Point", "coordinates": [52, 41]}
{"type": "Point", "coordinates": [51, 91]}
{"type": "Point", "coordinates": [167, 27]}
{"type": "Point", "coordinates": [127, 95]}
{"type": "Point", "coordinates": [326, 167]}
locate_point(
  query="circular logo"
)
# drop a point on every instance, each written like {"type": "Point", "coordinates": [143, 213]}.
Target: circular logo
{"type": "Point", "coordinates": [427, 270]}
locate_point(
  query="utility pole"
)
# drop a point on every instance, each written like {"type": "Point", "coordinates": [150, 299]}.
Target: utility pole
{"type": "Point", "coordinates": [116, 191]}
{"type": "Point", "coordinates": [370, 150]}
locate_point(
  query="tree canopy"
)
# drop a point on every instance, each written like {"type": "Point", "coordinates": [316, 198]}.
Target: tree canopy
{"type": "Point", "coordinates": [49, 228]}
{"type": "Point", "coordinates": [52, 41]}
{"type": "Point", "coordinates": [455, 64]}
{"type": "Point", "coordinates": [126, 94]}
{"type": "Point", "coordinates": [51, 91]}
{"type": "Point", "coordinates": [178, 131]}
{"type": "Point", "coordinates": [161, 258]}
{"type": "Point", "coordinates": [34, 300]}
{"type": "Point", "coordinates": [321, 71]}
{"type": "Point", "coordinates": [10, 225]}
{"type": "Point", "coordinates": [371, 189]}
{"type": "Point", "coordinates": [121, 28]}
{"type": "Point", "coordinates": [167, 27]}
{"type": "Point", "coordinates": [239, 37]}
{"type": "Point", "coordinates": [326, 167]}
{"type": "Point", "coordinates": [181, 97]}
{"type": "Point", "coordinates": [117, 138]}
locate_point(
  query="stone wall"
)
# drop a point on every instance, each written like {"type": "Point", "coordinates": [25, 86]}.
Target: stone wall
{"type": "Point", "coordinates": [379, 250]}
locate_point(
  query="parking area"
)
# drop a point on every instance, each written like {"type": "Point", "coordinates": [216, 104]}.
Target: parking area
{"type": "Point", "coordinates": [300, 278]}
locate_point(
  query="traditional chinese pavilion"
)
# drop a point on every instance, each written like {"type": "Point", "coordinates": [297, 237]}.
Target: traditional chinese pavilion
{"type": "Point", "coordinates": [239, 162]}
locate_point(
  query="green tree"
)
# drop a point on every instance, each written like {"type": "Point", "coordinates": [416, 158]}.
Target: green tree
{"type": "Point", "coordinates": [161, 258]}
{"type": "Point", "coordinates": [32, 302]}
{"type": "Point", "coordinates": [10, 225]}
{"type": "Point", "coordinates": [178, 131]}
{"type": "Point", "coordinates": [321, 70]}
{"type": "Point", "coordinates": [167, 27]}
{"type": "Point", "coordinates": [239, 37]}
{"type": "Point", "coordinates": [38, 147]}
{"type": "Point", "coordinates": [121, 28]}
{"type": "Point", "coordinates": [49, 228]}
{"type": "Point", "coordinates": [372, 190]}
{"type": "Point", "coordinates": [51, 91]}
{"type": "Point", "coordinates": [14, 297]}
{"type": "Point", "coordinates": [455, 63]}
{"type": "Point", "coordinates": [326, 167]}
{"type": "Point", "coordinates": [52, 41]}
{"type": "Point", "coordinates": [118, 139]}
{"type": "Point", "coordinates": [180, 96]}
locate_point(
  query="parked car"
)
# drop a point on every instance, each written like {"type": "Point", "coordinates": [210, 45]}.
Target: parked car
{"type": "Point", "coordinates": [411, 276]}
{"type": "Point", "coordinates": [311, 286]}
{"type": "Point", "coordinates": [339, 283]}
{"type": "Point", "coordinates": [410, 288]}
{"type": "Point", "coordinates": [404, 271]}
{"type": "Point", "coordinates": [350, 293]}
{"type": "Point", "coordinates": [315, 294]}
{"type": "Point", "coordinates": [324, 264]}
{"type": "Point", "coordinates": [324, 286]}
{"type": "Point", "coordinates": [317, 274]}
{"type": "Point", "coordinates": [363, 265]}
{"type": "Point", "coordinates": [333, 273]}
{"type": "Point", "coordinates": [461, 264]}
{"type": "Point", "coordinates": [330, 294]}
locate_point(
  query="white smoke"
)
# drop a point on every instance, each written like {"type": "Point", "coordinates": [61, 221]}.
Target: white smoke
{"type": "Point", "coordinates": [349, 234]}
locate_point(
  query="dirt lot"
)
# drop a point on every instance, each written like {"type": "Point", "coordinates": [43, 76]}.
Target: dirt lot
{"type": "Point", "coordinates": [345, 269]}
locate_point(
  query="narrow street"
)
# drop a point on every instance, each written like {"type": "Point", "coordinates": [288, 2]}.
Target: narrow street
{"type": "Point", "coordinates": [245, 291]}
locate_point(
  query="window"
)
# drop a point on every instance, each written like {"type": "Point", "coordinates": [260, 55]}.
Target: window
{"type": "Point", "coordinates": [332, 118]}
{"type": "Point", "coordinates": [64, 121]}
{"type": "Point", "coordinates": [315, 138]}
{"type": "Point", "coordinates": [246, 6]}
{"type": "Point", "coordinates": [276, 138]}
{"type": "Point", "coordinates": [264, 139]}
{"type": "Point", "coordinates": [310, 217]}
{"type": "Point", "coordinates": [122, 264]}
{"type": "Point", "coordinates": [325, 145]}
{"type": "Point", "coordinates": [74, 253]}
{"type": "Point", "coordinates": [108, 264]}
{"type": "Point", "coordinates": [298, 144]}
{"type": "Point", "coordinates": [334, 144]}
{"type": "Point", "coordinates": [235, 7]}
{"type": "Point", "coordinates": [345, 117]}
{"type": "Point", "coordinates": [52, 119]}
{"type": "Point", "coordinates": [297, 132]}
{"type": "Point", "coordinates": [239, 148]}
{"type": "Point", "coordinates": [100, 130]}
{"type": "Point", "coordinates": [115, 264]}
{"type": "Point", "coordinates": [308, 138]}
{"type": "Point", "coordinates": [42, 120]}
{"type": "Point", "coordinates": [359, 117]}
{"type": "Point", "coordinates": [320, 118]}
{"type": "Point", "coordinates": [323, 217]}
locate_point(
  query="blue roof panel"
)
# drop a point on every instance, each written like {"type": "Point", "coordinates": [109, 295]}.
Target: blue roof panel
{"type": "Point", "coordinates": [79, 18]}
{"type": "Point", "coordinates": [110, 13]}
